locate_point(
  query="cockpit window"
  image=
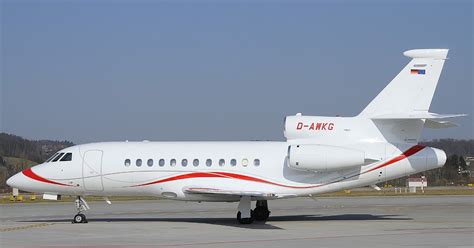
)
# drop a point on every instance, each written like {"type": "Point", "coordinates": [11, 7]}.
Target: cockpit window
{"type": "Point", "coordinates": [50, 158]}
{"type": "Point", "coordinates": [58, 157]}
{"type": "Point", "coordinates": [67, 157]}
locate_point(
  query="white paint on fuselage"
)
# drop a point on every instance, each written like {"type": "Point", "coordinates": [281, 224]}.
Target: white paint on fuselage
{"type": "Point", "coordinates": [118, 179]}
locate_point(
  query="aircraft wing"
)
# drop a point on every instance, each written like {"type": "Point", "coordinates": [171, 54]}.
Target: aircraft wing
{"type": "Point", "coordinates": [227, 192]}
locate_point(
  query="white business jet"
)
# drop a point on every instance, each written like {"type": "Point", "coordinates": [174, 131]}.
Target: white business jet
{"type": "Point", "coordinates": [320, 155]}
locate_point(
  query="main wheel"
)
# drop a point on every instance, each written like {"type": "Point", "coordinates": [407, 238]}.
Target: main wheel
{"type": "Point", "coordinates": [79, 218]}
{"type": "Point", "coordinates": [261, 213]}
{"type": "Point", "coordinates": [245, 220]}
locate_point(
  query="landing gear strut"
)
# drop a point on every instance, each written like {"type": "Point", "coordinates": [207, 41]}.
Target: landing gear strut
{"type": "Point", "coordinates": [81, 206]}
{"type": "Point", "coordinates": [261, 212]}
{"type": "Point", "coordinates": [244, 214]}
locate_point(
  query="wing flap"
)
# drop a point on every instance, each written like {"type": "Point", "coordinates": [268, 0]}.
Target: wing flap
{"type": "Point", "coordinates": [195, 190]}
{"type": "Point", "coordinates": [228, 192]}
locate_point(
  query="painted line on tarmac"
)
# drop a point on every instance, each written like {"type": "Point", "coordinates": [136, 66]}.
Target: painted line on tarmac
{"type": "Point", "coordinates": [9, 229]}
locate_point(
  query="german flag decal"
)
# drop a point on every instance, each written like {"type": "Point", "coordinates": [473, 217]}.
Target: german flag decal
{"type": "Point", "coordinates": [418, 71]}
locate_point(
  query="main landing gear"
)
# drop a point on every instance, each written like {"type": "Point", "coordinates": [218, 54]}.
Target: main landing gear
{"type": "Point", "coordinates": [81, 206]}
{"type": "Point", "coordinates": [246, 216]}
{"type": "Point", "coordinates": [261, 212]}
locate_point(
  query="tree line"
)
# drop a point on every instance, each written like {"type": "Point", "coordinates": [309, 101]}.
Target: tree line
{"type": "Point", "coordinates": [29, 152]}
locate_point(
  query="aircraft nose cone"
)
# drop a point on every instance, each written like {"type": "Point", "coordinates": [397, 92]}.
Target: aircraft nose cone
{"type": "Point", "coordinates": [15, 181]}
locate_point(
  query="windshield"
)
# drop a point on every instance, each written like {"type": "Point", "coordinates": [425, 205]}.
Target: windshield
{"type": "Point", "coordinates": [49, 159]}
{"type": "Point", "coordinates": [57, 157]}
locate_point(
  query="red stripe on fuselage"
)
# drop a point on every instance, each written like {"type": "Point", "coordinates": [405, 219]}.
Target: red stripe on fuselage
{"type": "Point", "coordinates": [179, 177]}
{"type": "Point", "coordinates": [254, 179]}
{"type": "Point", "coordinates": [220, 175]}
{"type": "Point", "coordinates": [407, 153]}
{"type": "Point", "coordinates": [29, 173]}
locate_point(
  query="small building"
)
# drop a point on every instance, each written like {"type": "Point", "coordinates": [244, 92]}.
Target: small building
{"type": "Point", "coordinates": [417, 182]}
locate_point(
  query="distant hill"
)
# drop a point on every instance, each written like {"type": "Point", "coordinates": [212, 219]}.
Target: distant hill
{"type": "Point", "coordinates": [34, 150]}
{"type": "Point", "coordinates": [17, 153]}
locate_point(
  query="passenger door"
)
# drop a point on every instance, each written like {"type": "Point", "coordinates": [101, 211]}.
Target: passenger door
{"type": "Point", "coordinates": [92, 170]}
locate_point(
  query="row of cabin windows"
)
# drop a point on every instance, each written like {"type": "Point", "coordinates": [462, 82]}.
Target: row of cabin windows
{"type": "Point", "coordinates": [60, 157]}
{"type": "Point", "coordinates": [195, 162]}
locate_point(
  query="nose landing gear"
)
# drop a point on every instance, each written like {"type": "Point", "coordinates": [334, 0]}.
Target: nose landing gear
{"type": "Point", "coordinates": [79, 218]}
{"type": "Point", "coordinates": [81, 206]}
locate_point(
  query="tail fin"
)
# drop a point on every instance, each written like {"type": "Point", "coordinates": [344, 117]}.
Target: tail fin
{"type": "Point", "coordinates": [413, 88]}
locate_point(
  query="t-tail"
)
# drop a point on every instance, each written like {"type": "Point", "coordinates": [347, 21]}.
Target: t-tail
{"type": "Point", "coordinates": [401, 109]}
{"type": "Point", "coordinates": [397, 115]}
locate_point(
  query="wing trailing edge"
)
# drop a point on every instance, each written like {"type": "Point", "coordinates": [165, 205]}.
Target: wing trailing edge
{"type": "Point", "coordinates": [227, 192]}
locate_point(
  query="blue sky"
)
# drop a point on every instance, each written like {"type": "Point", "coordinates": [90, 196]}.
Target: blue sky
{"type": "Point", "coordinates": [114, 70]}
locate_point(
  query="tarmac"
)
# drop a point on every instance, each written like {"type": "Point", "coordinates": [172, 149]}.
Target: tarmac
{"type": "Point", "coordinates": [409, 221]}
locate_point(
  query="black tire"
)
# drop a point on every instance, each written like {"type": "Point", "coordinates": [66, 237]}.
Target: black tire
{"type": "Point", "coordinates": [245, 220]}
{"type": "Point", "coordinates": [261, 214]}
{"type": "Point", "coordinates": [79, 218]}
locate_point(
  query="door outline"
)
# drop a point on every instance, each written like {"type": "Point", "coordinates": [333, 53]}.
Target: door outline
{"type": "Point", "coordinates": [89, 176]}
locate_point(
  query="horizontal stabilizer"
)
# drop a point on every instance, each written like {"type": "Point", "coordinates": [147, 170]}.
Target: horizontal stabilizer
{"type": "Point", "coordinates": [415, 115]}
{"type": "Point", "coordinates": [427, 53]}
{"type": "Point", "coordinates": [439, 124]}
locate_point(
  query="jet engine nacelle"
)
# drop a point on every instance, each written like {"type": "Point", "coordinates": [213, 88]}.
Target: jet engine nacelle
{"type": "Point", "coordinates": [323, 157]}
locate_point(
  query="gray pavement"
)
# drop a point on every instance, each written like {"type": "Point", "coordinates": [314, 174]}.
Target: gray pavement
{"type": "Point", "coordinates": [429, 221]}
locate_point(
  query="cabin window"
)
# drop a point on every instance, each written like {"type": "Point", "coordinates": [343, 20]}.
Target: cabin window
{"type": "Point", "coordinates": [208, 162]}
{"type": "Point", "coordinates": [221, 162]}
{"type": "Point", "coordinates": [149, 162]}
{"type": "Point", "coordinates": [256, 162]}
{"type": "Point", "coordinates": [233, 162]}
{"type": "Point", "coordinates": [138, 162]}
{"type": "Point", "coordinates": [196, 162]}
{"type": "Point", "coordinates": [184, 162]}
{"type": "Point", "coordinates": [58, 157]}
{"type": "Point", "coordinates": [67, 157]}
{"type": "Point", "coordinates": [127, 162]}
{"type": "Point", "coordinates": [173, 162]}
{"type": "Point", "coordinates": [161, 162]}
{"type": "Point", "coordinates": [245, 162]}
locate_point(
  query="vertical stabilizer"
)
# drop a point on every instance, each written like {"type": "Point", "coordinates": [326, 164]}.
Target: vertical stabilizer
{"type": "Point", "coordinates": [413, 88]}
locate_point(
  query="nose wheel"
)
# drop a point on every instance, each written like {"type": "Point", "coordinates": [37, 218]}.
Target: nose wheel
{"type": "Point", "coordinates": [81, 206]}
{"type": "Point", "coordinates": [79, 218]}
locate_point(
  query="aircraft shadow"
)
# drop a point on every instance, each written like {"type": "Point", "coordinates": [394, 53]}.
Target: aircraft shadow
{"type": "Point", "coordinates": [233, 223]}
